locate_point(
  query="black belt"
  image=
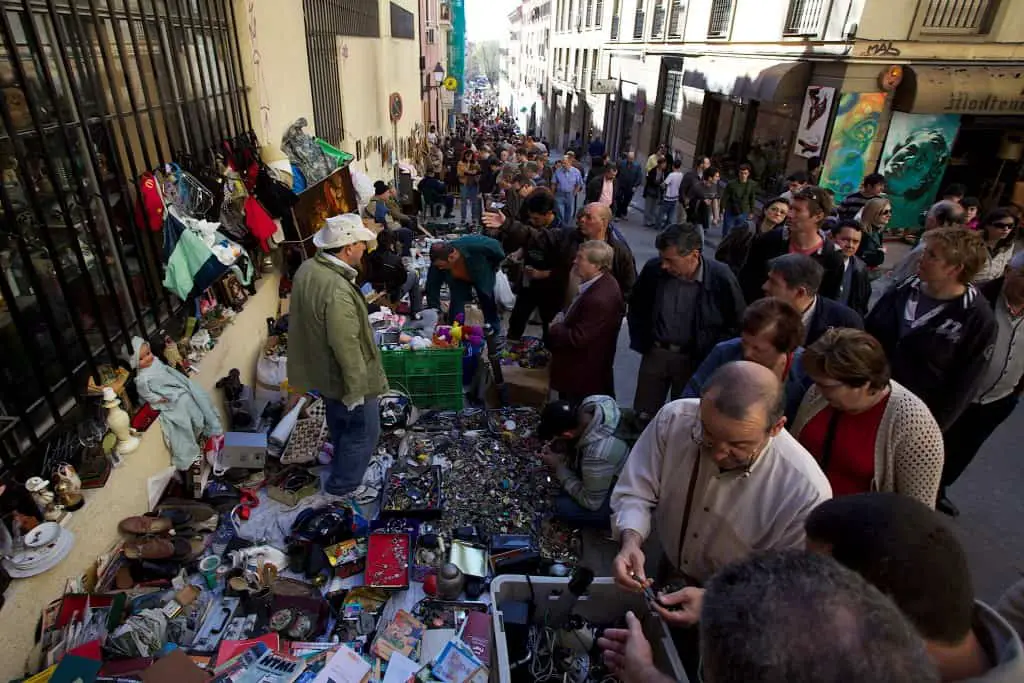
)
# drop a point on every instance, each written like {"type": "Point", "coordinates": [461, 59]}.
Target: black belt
{"type": "Point", "coordinates": [674, 348]}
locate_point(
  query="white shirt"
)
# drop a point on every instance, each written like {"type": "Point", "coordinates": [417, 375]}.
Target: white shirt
{"type": "Point", "coordinates": [733, 514]}
{"type": "Point", "coordinates": [672, 183]}
{"type": "Point", "coordinates": [808, 314]}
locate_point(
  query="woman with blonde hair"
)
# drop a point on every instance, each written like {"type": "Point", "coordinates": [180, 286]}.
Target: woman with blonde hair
{"type": "Point", "coordinates": [874, 220]}
{"type": "Point", "coordinates": [868, 432]}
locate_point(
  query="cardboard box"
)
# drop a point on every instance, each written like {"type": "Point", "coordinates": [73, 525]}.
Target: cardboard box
{"type": "Point", "coordinates": [525, 386]}
{"type": "Point", "coordinates": [247, 450]}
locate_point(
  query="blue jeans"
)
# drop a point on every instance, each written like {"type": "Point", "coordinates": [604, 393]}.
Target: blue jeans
{"type": "Point", "coordinates": [354, 435]}
{"type": "Point", "coordinates": [666, 213]}
{"type": "Point", "coordinates": [568, 510]}
{"type": "Point", "coordinates": [565, 204]}
{"type": "Point", "coordinates": [470, 195]}
{"type": "Point", "coordinates": [732, 220]}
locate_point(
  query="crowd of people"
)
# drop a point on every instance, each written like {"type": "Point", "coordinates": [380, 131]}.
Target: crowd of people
{"type": "Point", "coordinates": [797, 441]}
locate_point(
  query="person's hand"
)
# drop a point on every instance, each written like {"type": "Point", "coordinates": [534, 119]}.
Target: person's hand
{"type": "Point", "coordinates": [550, 458]}
{"type": "Point", "coordinates": [493, 220]}
{"type": "Point", "coordinates": [687, 603]}
{"type": "Point", "coordinates": [630, 562]}
{"type": "Point", "coordinates": [537, 274]}
{"type": "Point", "coordinates": [627, 652]}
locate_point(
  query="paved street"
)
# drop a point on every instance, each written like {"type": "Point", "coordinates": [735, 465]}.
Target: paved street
{"type": "Point", "coordinates": [989, 494]}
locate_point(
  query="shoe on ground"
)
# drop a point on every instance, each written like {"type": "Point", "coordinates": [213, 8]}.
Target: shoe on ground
{"type": "Point", "coordinates": [361, 495]}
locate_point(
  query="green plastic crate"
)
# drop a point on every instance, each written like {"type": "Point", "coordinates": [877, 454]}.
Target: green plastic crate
{"type": "Point", "coordinates": [431, 377]}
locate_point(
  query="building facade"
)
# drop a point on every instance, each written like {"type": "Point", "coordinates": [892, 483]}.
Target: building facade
{"type": "Point", "coordinates": [435, 35]}
{"type": "Point", "coordinates": [782, 84]}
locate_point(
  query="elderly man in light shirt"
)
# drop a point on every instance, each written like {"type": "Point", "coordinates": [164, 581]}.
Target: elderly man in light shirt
{"type": "Point", "coordinates": [720, 479]}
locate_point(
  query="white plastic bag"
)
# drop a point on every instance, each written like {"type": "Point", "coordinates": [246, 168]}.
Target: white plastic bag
{"type": "Point", "coordinates": [503, 292]}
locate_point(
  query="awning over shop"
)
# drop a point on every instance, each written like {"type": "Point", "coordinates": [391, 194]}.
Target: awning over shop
{"type": "Point", "coordinates": [750, 79]}
{"type": "Point", "coordinates": [960, 90]}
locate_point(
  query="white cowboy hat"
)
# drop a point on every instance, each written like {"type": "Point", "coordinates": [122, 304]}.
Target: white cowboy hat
{"type": "Point", "coordinates": [341, 231]}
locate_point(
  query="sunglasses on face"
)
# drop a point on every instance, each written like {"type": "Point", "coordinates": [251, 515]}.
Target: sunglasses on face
{"type": "Point", "coordinates": [887, 212]}
{"type": "Point", "coordinates": [1003, 226]}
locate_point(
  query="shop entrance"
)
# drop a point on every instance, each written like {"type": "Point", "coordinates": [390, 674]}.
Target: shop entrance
{"type": "Point", "coordinates": [986, 159]}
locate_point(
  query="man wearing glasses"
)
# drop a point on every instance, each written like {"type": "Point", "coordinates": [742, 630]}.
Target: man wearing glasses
{"type": "Point", "coordinates": [720, 479]}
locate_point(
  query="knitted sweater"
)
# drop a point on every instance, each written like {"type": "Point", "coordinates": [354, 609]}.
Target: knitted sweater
{"type": "Point", "coordinates": [908, 447]}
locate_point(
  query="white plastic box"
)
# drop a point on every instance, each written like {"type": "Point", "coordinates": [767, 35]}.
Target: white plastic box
{"type": "Point", "coordinates": [603, 603]}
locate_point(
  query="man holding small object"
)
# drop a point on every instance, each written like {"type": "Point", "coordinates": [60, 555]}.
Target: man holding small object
{"type": "Point", "coordinates": [721, 478]}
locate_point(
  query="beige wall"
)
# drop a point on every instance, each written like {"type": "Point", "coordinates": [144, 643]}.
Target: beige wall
{"type": "Point", "coordinates": [95, 525]}
{"type": "Point", "coordinates": [272, 40]}
{"type": "Point", "coordinates": [898, 19]}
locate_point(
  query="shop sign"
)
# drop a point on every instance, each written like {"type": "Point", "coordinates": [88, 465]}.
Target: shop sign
{"type": "Point", "coordinates": [603, 86]}
{"type": "Point", "coordinates": [960, 102]}
{"type": "Point", "coordinates": [451, 84]}
{"type": "Point", "coordinates": [810, 136]}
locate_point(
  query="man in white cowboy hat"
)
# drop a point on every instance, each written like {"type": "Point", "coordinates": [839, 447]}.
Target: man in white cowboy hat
{"type": "Point", "coordinates": [331, 350]}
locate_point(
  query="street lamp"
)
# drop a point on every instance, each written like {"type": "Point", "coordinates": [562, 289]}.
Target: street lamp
{"type": "Point", "coordinates": [437, 76]}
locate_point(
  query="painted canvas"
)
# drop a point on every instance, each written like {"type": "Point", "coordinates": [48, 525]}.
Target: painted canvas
{"type": "Point", "coordinates": [814, 121]}
{"type": "Point", "coordinates": [914, 159]}
{"type": "Point", "coordinates": [852, 134]}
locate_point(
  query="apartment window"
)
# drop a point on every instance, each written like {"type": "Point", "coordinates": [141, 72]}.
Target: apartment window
{"type": "Point", "coordinates": [958, 16]}
{"type": "Point", "coordinates": [616, 6]}
{"type": "Point", "coordinates": [638, 21]}
{"type": "Point", "coordinates": [446, 11]}
{"type": "Point", "coordinates": [598, 12]}
{"type": "Point", "coordinates": [430, 36]}
{"type": "Point", "coordinates": [590, 13]}
{"type": "Point", "coordinates": [673, 92]}
{"type": "Point", "coordinates": [805, 17]}
{"type": "Point", "coordinates": [721, 18]}
{"type": "Point", "coordinates": [402, 25]}
{"type": "Point", "coordinates": [658, 20]}
{"type": "Point", "coordinates": [675, 19]}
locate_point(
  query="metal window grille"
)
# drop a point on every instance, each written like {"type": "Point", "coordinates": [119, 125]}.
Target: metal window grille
{"type": "Point", "coordinates": [638, 21]}
{"type": "Point", "coordinates": [805, 17]}
{"type": "Point", "coordinates": [658, 20]}
{"type": "Point", "coordinates": [402, 24]}
{"type": "Point", "coordinates": [958, 16]}
{"type": "Point", "coordinates": [721, 18]}
{"type": "Point", "coordinates": [430, 36]}
{"type": "Point", "coordinates": [675, 19]}
{"type": "Point", "coordinates": [325, 21]}
{"type": "Point", "coordinates": [615, 27]}
{"type": "Point", "coordinates": [590, 13]}
{"type": "Point", "coordinates": [96, 93]}
{"type": "Point", "coordinates": [598, 13]}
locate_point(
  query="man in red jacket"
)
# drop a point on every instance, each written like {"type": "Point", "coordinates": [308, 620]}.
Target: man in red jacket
{"type": "Point", "coordinates": [582, 338]}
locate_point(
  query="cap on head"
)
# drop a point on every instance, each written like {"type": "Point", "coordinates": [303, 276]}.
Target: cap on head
{"type": "Point", "coordinates": [380, 187]}
{"type": "Point", "coordinates": [341, 231]}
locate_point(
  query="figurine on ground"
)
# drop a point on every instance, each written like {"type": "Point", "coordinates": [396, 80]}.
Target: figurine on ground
{"type": "Point", "coordinates": [186, 411]}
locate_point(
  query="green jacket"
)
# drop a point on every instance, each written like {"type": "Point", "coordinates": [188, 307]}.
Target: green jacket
{"type": "Point", "coordinates": [739, 197]}
{"type": "Point", "coordinates": [483, 256]}
{"type": "Point", "coordinates": [330, 343]}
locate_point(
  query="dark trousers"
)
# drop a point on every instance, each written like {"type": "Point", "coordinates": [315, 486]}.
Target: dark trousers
{"type": "Point", "coordinates": [661, 372]}
{"type": "Point", "coordinates": [568, 510]}
{"type": "Point", "coordinates": [622, 200]}
{"type": "Point", "coordinates": [531, 297]}
{"type": "Point", "coordinates": [354, 434]}
{"type": "Point", "coordinates": [964, 438]}
{"type": "Point", "coordinates": [404, 235]}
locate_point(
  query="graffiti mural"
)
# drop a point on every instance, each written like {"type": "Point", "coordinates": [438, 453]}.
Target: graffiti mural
{"type": "Point", "coordinates": [854, 130]}
{"type": "Point", "coordinates": [914, 159]}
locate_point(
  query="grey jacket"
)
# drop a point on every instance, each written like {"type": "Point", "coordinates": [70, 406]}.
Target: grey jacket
{"type": "Point", "coordinates": [1003, 646]}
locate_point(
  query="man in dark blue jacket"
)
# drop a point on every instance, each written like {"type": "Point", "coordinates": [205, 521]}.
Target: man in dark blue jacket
{"type": "Point", "coordinates": [681, 306]}
{"type": "Point", "coordinates": [796, 279]}
{"type": "Point", "coordinates": [937, 329]}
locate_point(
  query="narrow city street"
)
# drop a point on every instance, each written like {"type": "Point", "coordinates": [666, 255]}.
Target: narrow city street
{"type": "Point", "coordinates": [988, 494]}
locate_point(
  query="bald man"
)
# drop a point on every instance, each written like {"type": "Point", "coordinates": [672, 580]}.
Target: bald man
{"type": "Point", "coordinates": [594, 223]}
{"type": "Point", "coordinates": [719, 478]}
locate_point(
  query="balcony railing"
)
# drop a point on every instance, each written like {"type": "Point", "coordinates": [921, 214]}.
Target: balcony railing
{"type": "Point", "coordinates": [805, 17]}
{"type": "Point", "coordinates": [958, 16]}
{"type": "Point", "coordinates": [615, 28]}
{"type": "Point", "coordinates": [675, 19]}
{"type": "Point", "coordinates": [721, 18]}
{"type": "Point", "coordinates": [658, 21]}
{"type": "Point", "coordinates": [638, 23]}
